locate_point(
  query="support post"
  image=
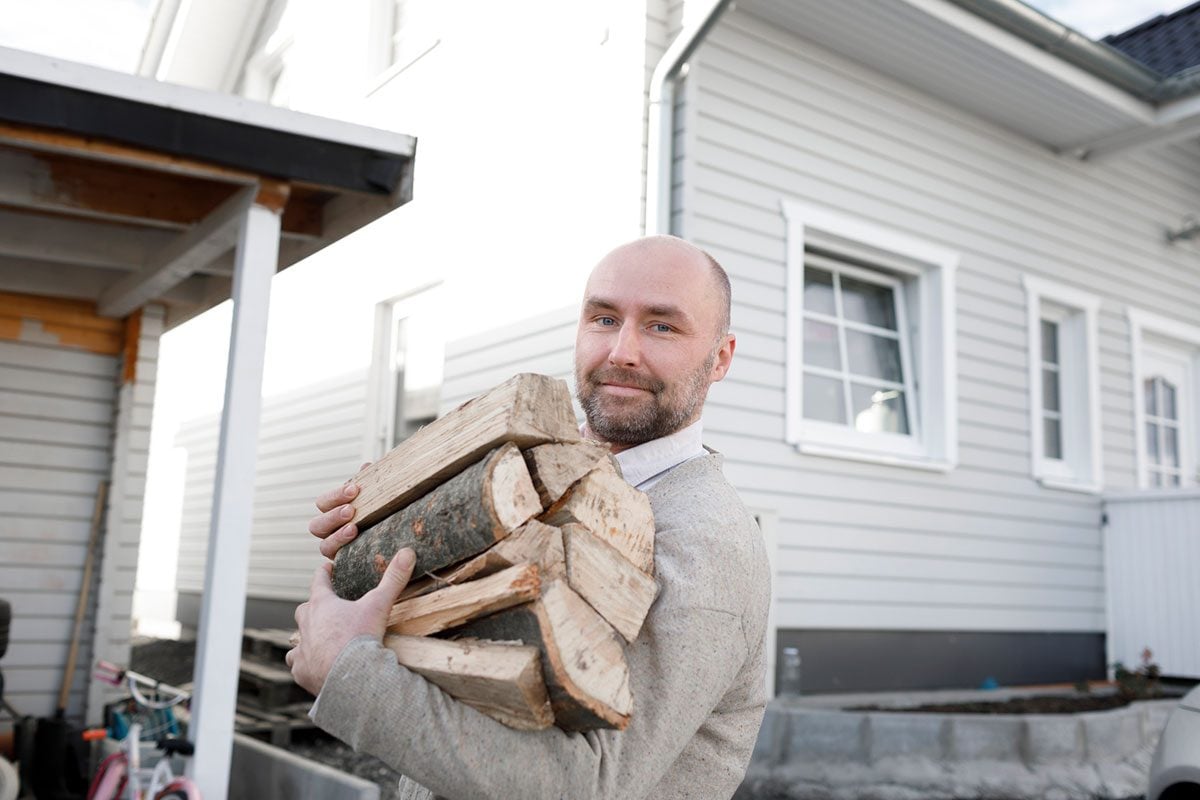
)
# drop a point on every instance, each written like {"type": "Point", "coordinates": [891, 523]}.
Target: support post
{"type": "Point", "coordinates": [218, 649]}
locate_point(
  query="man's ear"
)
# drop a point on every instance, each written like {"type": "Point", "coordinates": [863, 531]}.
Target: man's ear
{"type": "Point", "coordinates": [724, 357]}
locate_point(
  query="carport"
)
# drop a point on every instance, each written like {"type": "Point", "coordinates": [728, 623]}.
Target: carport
{"type": "Point", "coordinates": [126, 207]}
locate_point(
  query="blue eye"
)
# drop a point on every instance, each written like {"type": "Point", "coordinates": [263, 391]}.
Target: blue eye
{"type": "Point", "coordinates": [607, 321]}
{"type": "Point", "coordinates": [661, 328]}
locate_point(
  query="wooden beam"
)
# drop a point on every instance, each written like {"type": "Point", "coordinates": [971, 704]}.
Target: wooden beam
{"type": "Point", "coordinates": [71, 323]}
{"type": "Point", "coordinates": [213, 237]}
{"type": "Point", "coordinates": [66, 240]}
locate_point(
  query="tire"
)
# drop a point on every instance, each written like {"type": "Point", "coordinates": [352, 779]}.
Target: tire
{"type": "Point", "coordinates": [111, 776]}
{"type": "Point", "coordinates": [179, 789]}
{"type": "Point", "coordinates": [5, 622]}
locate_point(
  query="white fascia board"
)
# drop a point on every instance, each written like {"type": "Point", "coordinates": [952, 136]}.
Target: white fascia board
{"type": "Point", "coordinates": [227, 107]}
{"type": "Point", "coordinates": [1053, 67]}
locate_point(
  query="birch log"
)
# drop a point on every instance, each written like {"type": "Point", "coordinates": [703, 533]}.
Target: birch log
{"type": "Point", "coordinates": [614, 511]}
{"type": "Point", "coordinates": [460, 518]}
{"type": "Point", "coordinates": [450, 607]}
{"type": "Point", "coordinates": [527, 410]}
{"type": "Point", "coordinates": [618, 590]}
{"type": "Point", "coordinates": [555, 467]}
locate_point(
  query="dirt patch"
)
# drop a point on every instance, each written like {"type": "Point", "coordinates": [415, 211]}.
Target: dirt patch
{"type": "Point", "coordinates": [1033, 704]}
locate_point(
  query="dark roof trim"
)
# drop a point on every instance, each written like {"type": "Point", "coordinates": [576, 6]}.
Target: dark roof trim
{"type": "Point", "coordinates": [264, 151]}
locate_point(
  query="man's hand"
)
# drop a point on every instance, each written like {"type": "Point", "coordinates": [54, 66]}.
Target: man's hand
{"type": "Point", "coordinates": [328, 623]}
{"type": "Point", "coordinates": [333, 526]}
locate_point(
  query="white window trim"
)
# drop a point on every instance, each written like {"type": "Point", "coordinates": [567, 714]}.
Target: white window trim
{"type": "Point", "coordinates": [1087, 474]}
{"type": "Point", "coordinates": [934, 444]}
{"type": "Point", "coordinates": [1140, 324]}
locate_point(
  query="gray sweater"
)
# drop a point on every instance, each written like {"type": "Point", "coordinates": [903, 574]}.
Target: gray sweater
{"type": "Point", "coordinates": [697, 674]}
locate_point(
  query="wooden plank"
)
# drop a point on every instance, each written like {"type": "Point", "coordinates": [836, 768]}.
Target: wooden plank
{"type": "Point", "coordinates": [583, 661]}
{"type": "Point", "coordinates": [502, 680]}
{"type": "Point", "coordinates": [527, 410]}
{"type": "Point", "coordinates": [533, 542]}
{"type": "Point", "coordinates": [462, 517]}
{"type": "Point", "coordinates": [555, 467]}
{"type": "Point", "coordinates": [456, 605]}
{"type": "Point", "coordinates": [602, 576]}
{"type": "Point", "coordinates": [614, 511]}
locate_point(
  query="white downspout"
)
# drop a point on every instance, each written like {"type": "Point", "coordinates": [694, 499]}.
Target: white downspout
{"type": "Point", "coordinates": [661, 117]}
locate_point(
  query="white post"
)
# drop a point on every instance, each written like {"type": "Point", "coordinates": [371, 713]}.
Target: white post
{"type": "Point", "coordinates": [223, 604]}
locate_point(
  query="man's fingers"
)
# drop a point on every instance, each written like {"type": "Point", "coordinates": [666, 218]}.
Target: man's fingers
{"type": "Point", "coordinates": [322, 584]}
{"type": "Point", "coordinates": [337, 540]}
{"type": "Point", "coordinates": [333, 519]}
{"type": "Point", "coordinates": [394, 579]}
{"type": "Point", "coordinates": [336, 497]}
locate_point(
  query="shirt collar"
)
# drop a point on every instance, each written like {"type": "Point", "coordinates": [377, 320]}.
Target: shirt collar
{"type": "Point", "coordinates": [644, 465]}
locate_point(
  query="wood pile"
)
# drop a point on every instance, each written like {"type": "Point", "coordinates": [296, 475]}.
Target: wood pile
{"type": "Point", "coordinates": [534, 561]}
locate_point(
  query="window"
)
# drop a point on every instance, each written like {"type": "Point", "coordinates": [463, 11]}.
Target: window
{"type": "Point", "coordinates": [1064, 430]}
{"type": "Point", "coordinates": [870, 346]}
{"type": "Point", "coordinates": [408, 30]}
{"type": "Point", "coordinates": [404, 385]}
{"type": "Point", "coordinates": [1166, 377]}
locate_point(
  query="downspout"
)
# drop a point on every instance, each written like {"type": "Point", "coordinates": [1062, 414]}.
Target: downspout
{"type": "Point", "coordinates": [661, 117]}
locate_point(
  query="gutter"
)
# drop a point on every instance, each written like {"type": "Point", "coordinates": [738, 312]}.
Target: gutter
{"type": "Point", "coordinates": [661, 117]}
{"type": "Point", "coordinates": [1097, 58]}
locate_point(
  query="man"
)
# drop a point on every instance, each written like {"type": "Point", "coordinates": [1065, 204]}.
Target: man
{"type": "Point", "coordinates": [653, 336]}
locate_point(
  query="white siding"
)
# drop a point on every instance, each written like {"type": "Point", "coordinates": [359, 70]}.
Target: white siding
{"type": "Point", "coordinates": [1152, 546]}
{"type": "Point", "coordinates": [310, 440]}
{"type": "Point", "coordinates": [984, 547]}
{"type": "Point", "coordinates": [67, 422]}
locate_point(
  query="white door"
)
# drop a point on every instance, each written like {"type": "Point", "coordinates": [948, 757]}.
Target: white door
{"type": "Point", "coordinates": [1169, 418]}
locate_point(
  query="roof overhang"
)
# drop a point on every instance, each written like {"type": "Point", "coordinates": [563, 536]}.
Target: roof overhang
{"type": "Point", "coordinates": [110, 181]}
{"type": "Point", "coordinates": [1004, 62]}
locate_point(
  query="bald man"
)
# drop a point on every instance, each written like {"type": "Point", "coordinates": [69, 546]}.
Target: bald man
{"type": "Point", "coordinates": [653, 336]}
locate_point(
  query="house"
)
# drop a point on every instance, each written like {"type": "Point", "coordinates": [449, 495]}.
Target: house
{"type": "Point", "coordinates": [126, 207]}
{"type": "Point", "coordinates": [965, 271]}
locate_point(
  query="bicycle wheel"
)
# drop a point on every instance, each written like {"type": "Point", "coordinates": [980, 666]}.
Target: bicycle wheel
{"type": "Point", "coordinates": [110, 780]}
{"type": "Point", "coordinates": [179, 789]}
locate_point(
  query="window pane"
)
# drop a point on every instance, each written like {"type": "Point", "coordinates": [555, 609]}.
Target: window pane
{"type": "Point", "coordinates": [1167, 393]}
{"type": "Point", "coordinates": [1151, 397]}
{"type": "Point", "coordinates": [821, 345]}
{"type": "Point", "coordinates": [1170, 454]}
{"type": "Point", "coordinates": [1050, 390]}
{"type": "Point", "coordinates": [823, 399]}
{"type": "Point", "coordinates": [1049, 342]}
{"type": "Point", "coordinates": [1172, 480]}
{"type": "Point", "coordinates": [1052, 437]}
{"type": "Point", "coordinates": [1156, 479]}
{"type": "Point", "coordinates": [1152, 442]}
{"type": "Point", "coordinates": [875, 356]}
{"type": "Point", "coordinates": [818, 291]}
{"type": "Point", "coordinates": [869, 303]}
{"type": "Point", "coordinates": [877, 409]}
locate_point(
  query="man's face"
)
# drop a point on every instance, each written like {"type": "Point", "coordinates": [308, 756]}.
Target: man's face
{"type": "Point", "coordinates": [647, 348]}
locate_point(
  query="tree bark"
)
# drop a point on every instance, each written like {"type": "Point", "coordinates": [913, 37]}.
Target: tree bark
{"type": "Point", "coordinates": [464, 516]}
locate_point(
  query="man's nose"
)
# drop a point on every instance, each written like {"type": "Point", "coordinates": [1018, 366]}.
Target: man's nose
{"type": "Point", "coordinates": [626, 350]}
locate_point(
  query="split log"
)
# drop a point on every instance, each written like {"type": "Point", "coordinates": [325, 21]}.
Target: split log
{"type": "Point", "coordinates": [613, 510]}
{"type": "Point", "coordinates": [555, 467]}
{"type": "Point", "coordinates": [533, 542]}
{"type": "Point", "coordinates": [618, 590]}
{"type": "Point", "coordinates": [462, 517]}
{"type": "Point", "coordinates": [450, 607]}
{"type": "Point", "coordinates": [527, 410]}
{"type": "Point", "coordinates": [583, 661]}
{"type": "Point", "coordinates": [500, 679]}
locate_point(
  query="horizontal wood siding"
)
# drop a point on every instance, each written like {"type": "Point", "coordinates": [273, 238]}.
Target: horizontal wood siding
{"type": "Point", "coordinates": [310, 441]}
{"type": "Point", "coordinates": [543, 344]}
{"type": "Point", "coordinates": [70, 418]}
{"type": "Point", "coordinates": [985, 547]}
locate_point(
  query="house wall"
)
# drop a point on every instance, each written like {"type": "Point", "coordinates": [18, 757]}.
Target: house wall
{"type": "Point", "coordinates": [75, 393]}
{"type": "Point", "coordinates": [310, 440]}
{"type": "Point", "coordinates": [862, 546]}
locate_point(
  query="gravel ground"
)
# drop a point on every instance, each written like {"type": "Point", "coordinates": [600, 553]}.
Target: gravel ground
{"type": "Point", "coordinates": [172, 662]}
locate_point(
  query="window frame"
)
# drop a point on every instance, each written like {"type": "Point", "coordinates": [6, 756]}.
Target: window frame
{"type": "Point", "coordinates": [1146, 330]}
{"type": "Point", "coordinates": [926, 272]}
{"type": "Point", "coordinates": [1075, 313]}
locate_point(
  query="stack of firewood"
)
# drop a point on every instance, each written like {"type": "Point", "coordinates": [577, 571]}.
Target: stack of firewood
{"type": "Point", "coordinates": [534, 559]}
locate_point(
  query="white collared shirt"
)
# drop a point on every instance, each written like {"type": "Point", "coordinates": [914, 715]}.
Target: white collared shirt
{"type": "Point", "coordinates": [644, 465]}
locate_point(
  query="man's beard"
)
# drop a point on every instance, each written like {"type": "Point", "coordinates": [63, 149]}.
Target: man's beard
{"type": "Point", "coordinates": [631, 421]}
